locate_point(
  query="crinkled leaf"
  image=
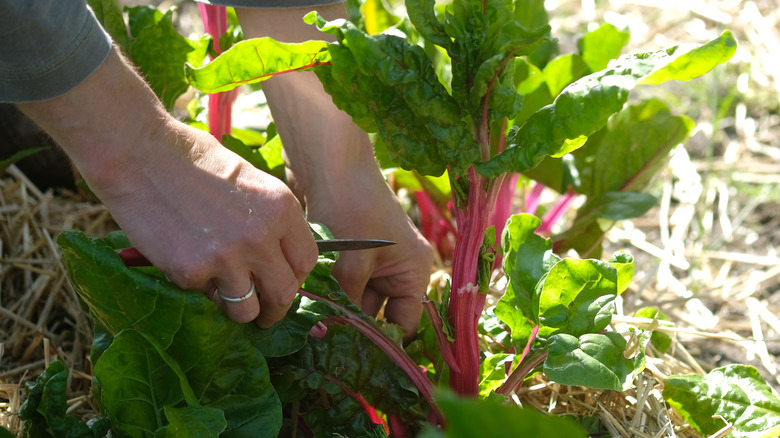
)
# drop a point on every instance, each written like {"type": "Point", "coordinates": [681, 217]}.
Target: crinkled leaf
{"type": "Point", "coordinates": [160, 52]}
{"type": "Point", "coordinates": [577, 297]}
{"type": "Point", "coordinates": [584, 106]}
{"type": "Point", "coordinates": [255, 60]}
{"type": "Point", "coordinates": [472, 417]}
{"type": "Point", "coordinates": [192, 421]}
{"type": "Point", "coordinates": [602, 45]}
{"type": "Point", "coordinates": [592, 360]}
{"type": "Point", "coordinates": [44, 411]}
{"type": "Point", "coordinates": [343, 364]}
{"type": "Point", "coordinates": [736, 393]}
{"type": "Point", "coordinates": [511, 41]}
{"type": "Point", "coordinates": [421, 14]}
{"type": "Point", "coordinates": [391, 87]}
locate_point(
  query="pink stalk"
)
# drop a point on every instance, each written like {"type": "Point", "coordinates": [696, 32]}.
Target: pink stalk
{"type": "Point", "coordinates": [533, 198]}
{"type": "Point", "coordinates": [434, 225]}
{"type": "Point", "coordinates": [517, 376]}
{"type": "Point", "coordinates": [446, 347]}
{"type": "Point", "coordinates": [466, 303]}
{"type": "Point", "coordinates": [220, 104]}
{"type": "Point", "coordinates": [557, 212]}
{"type": "Point", "coordinates": [397, 427]}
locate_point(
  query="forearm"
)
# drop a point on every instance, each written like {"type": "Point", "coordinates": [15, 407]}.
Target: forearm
{"type": "Point", "coordinates": [101, 122]}
{"type": "Point", "coordinates": [322, 144]}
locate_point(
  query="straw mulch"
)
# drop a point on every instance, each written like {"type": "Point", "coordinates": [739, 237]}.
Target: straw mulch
{"type": "Point", "coordinates": [706, 256]}
{"type": "Point", "coordinates": [40, 316]}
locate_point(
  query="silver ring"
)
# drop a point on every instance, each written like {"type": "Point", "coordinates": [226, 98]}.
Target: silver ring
{"type": "Point", "coordinates": [241, 298]}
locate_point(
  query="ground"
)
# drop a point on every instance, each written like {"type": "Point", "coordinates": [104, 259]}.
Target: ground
{"type": "Point", "coordinates": [706, 255]}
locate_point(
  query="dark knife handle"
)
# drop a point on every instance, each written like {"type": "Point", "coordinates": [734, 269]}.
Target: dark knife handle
{"type": "Point", "coordinates": [133, 257]}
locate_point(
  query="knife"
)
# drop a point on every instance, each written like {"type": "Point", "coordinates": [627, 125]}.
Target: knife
{"type": "Point", "coordinates": [133, 257]}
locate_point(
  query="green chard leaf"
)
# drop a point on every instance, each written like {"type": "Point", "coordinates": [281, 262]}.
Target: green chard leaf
{"type": "Point", "coordinates": [602, 45]}
{"type": "Point", "coordinates": [593, 360]}
{"type": "Point", "coordinates": [160, 52]}
{"type": "Point", "coordinates": [255, 60]}
{"type": "Point", "coordinates": [528, 258]}
{"type": "Point", "coordinates": [354, 372]}
{"type": "Point", "coordinates": [616, 164]}
{"type": "Point", "coordinates": [43, 413]}
{"type": "Point", "coordinates": [631, 149]}
{"type": "Point", "coordinates": [472, 417]}
{"type": "Point", "coordinates": [736, 394]}
{"type": "Point", "coordinates": [137, 383]}
{"type": "Point", "coordinates": [577, 297]}
{"type": "Point", "coordinates": [584, 106]}
{"type": "Point", "coordinates": [391, 88]}
{"type": "Point", "coordinates": [211, 360]}
{"type": "Point", "coordinates": [492, 372]}
{"type": "Point", "coordinates": [423, 17]}
{"type": "Point", "coordinates": [192, 421]}
{"type": "Point", "coordinates": [109, 13]}
{"type": "Point", "coordinates": [267, 158]}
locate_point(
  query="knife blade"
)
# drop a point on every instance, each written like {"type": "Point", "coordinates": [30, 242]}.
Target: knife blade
{"type": "Point", "coordinates": [133, 257]}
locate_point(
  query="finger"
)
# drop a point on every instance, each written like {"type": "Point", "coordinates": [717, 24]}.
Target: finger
{"type": "Point", "coordinates": [372, 302]}
{"type": "Point", "coordinates": [352, 270]}
{"type": "Point", "coordinates": [237, 296]}
{"type": "Point", "coordinates": [277, 286]}
{"type": "Point", "coordinates": [406, 313]}
{"type": "Point", "coordinates": [301, 254]}
{"type": "Point", "coordinates": [402, 300]}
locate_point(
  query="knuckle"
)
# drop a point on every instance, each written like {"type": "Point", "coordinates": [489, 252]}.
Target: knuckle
{"type": "Point", "coordinates": [188, 274]}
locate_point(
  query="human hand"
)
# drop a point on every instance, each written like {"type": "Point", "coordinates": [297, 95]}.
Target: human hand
{"type": "Point", "coordinates": [396, 276]}
{"type": "Point", "coordinates": [212, 222]}
{"type": "Point", "coordinates": [332, 170]}
{"type": "Point", "coordinates": [201, 214]}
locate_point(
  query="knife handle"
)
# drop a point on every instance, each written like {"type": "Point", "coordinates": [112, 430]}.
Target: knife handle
{"type": "Point", "coordinates": [133, 257]}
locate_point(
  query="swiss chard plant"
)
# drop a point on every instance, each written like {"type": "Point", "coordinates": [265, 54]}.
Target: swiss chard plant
{"type": "Point", "coordinates": [468, 102]}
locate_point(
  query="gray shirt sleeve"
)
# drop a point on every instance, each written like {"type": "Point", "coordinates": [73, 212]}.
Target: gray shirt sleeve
{"type": "Point", "coordinates": [48, 48]}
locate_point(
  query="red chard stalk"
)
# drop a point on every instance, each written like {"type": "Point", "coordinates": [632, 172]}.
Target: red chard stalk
{"type": "Point", "coordinates": [220, 104]}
